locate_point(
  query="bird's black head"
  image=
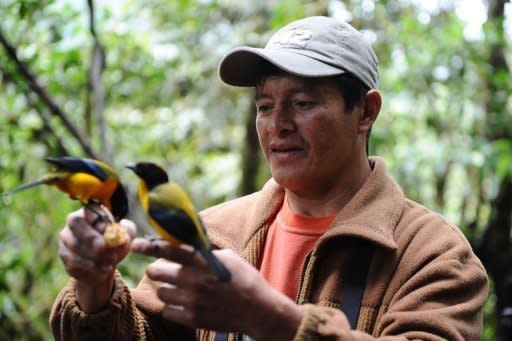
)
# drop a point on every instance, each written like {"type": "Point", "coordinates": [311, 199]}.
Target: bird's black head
{"type": "Point", "coordinates": [152, 174]}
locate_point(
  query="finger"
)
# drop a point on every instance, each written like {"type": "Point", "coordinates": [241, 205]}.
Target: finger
{"type": "Point", "coordinates": [182, 297]}
{"type": "Point", "coordinates": [83, 237]}
{"type": "Point", "coordinates": [83, 231]}
{"type": "Point", "coordinates": [101, 221]}
{"type": "Point", "coordinates": [130, 227]}
{"type": "Point", "coordinates": [90, 251]}
{"type": "Point", "coordinates": [170, 294]}
{"type": "Point", "coordinates": [178, 314]}
{"type": "Point", "coordinates": [165, 271]}
{"type": "Point", "coordinates": [179, 275]}
{"type": "Point", "coordinates": [80, 267]}
{"type": "Point", "coordinates": [183, 254]}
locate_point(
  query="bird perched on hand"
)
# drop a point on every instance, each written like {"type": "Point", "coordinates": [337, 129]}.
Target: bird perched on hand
{"type": "Point", "coordinates": [87, 180]}
{"type": "Point", "coordinates": [172, 213]}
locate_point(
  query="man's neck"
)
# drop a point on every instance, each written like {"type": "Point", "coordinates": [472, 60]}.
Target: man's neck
{"type": "Point", "coordinates": [331, 200]}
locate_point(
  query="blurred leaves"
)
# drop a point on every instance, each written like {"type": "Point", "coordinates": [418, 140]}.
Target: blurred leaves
{"type": "Point", "coordinates": [165, 102]}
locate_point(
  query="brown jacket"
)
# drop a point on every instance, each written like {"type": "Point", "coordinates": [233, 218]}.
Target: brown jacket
{"type": "Point", "coordinates": [424, 282]}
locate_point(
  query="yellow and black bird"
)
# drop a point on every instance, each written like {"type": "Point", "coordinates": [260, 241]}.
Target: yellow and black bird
{"type": "Point", "coordinates": [87, 180]}
{"type": "Point", "coordinates": [172, 213]}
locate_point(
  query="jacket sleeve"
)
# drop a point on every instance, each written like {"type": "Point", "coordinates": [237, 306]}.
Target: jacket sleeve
{"type": "Point", "coordinates": [121, 319]}
{"type": "Point", "coordinates": [442, 300]}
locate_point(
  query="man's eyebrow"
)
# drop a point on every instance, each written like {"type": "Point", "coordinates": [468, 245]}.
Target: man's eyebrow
{"type": "Point", "coordinates": [259, 95]}
{"type": "Point", "coordinates": [292, 91]}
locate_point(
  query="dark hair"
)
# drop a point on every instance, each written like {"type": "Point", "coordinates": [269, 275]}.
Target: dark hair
{"type": "Point", "coordinates": [353, 91]}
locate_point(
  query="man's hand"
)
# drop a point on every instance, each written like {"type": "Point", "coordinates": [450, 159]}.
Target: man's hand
{"type": "Point", "coordinates": [88, 259]}
{"type": "Point", "coordinates": [193, 296]}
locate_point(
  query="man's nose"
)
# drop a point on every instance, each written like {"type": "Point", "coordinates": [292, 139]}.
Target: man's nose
{"type": "Point", "coordinates": [283, 120]}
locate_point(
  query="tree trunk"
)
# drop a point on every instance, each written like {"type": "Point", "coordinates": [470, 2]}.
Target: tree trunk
{"type": "Point", "coordinates": [251, 157]}
{"type": "Point", "coordinates": [495, 247]}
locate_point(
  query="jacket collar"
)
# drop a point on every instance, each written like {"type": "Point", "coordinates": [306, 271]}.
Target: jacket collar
{"type": "Point", "coordinates": [371, 214]}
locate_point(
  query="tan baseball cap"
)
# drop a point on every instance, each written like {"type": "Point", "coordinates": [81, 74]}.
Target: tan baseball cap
{"type": "Point", "coordinates": [310, 47]}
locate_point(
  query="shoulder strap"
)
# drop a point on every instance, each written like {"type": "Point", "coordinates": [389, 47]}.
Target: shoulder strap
{"type": "Point", "coordinates": [354, 282]}
{"type": "Point", "coordinates": [353, 287]}
{"type": "Point", "coordinates": [219, 336]}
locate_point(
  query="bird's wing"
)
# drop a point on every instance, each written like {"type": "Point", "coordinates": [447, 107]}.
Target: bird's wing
{"type": "Point", "coordinates": [75, 164]}
{"type": "Point", "coordinates": [119, 203]}
{"type": "Point", "coordinates": [176, 223]}
{"type": "Point", "coordinates": [173, 205]}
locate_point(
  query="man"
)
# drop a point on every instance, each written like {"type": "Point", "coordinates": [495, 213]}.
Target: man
{"type": "Point", "coordinates": [329, 249]}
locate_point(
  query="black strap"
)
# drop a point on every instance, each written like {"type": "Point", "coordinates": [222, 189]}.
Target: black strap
{"type": "Point", "coordinates": [219, 336]}
{"type": "Point", "coordinates": [354, 282]}
{"type": "Point", "coordinates": [353, 287]}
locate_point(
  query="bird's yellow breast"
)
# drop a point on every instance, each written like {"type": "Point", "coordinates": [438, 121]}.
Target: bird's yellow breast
{"type": "Point", "coordinates": [142, 193]}
{"type": "Point", "coordinates": [84, 187]}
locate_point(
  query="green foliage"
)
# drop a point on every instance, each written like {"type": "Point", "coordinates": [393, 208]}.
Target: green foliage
{"type": "Point", "coordinates": [164, 102]}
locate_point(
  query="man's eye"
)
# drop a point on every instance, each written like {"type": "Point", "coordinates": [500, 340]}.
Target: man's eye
{"type": "Point", "coordinates": [304, 104]}
{"type": "Point", "coordinates": [263, 108]}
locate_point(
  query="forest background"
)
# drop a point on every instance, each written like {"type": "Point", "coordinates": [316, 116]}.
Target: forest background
{"type": "Point", "coordinates": [132, 80]}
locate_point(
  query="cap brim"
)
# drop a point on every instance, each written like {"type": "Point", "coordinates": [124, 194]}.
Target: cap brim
{"type": "Point", "coordinates": [243, 66]}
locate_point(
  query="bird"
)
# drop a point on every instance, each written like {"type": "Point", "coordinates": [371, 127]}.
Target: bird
{"type": "Point", "coordinates": [172, 214]}
{"type": "Point", "coordinates": [89, 181]}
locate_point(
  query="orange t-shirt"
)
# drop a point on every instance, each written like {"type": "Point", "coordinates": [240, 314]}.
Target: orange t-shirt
{"type": "Point", "coordinates": [290, 237]}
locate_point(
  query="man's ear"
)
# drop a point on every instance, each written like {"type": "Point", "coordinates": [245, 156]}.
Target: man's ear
{"type": "Point", "coordinates": [371, 109]}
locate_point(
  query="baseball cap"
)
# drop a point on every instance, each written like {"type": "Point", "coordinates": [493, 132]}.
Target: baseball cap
{"type": "Point", "coordinates": [315, 46]}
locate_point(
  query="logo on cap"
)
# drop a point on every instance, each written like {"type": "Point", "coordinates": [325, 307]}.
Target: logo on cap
{"type": "Point", "coordinates": [296, 37]}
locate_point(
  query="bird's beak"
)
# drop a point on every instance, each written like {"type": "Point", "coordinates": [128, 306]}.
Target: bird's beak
{"type": "Point", "coordinates": [131, 166]}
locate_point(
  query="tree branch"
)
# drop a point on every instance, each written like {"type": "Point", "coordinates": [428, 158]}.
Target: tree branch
{"type": "Point", "coordinates": [46, 122]}
{"type": "Point", "coordinates": [45, 97]}
{"type": "Point", "coordinates": [95, 83]}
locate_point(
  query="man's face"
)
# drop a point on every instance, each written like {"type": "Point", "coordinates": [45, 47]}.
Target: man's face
{"type": "Point", "coordinates": [310, 142]}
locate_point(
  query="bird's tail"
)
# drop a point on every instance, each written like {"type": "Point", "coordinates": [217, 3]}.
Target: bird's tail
{"type": "Point", "coordinates": [216, 265]}
{"type": "Point", "coordinates": [42, 181]}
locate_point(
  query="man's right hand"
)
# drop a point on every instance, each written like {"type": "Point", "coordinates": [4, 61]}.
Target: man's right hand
{"type": "Point", "coordinates": [88, 259]}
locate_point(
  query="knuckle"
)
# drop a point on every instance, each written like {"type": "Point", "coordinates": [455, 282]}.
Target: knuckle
{"type": "Point", "coordinates": [63, 256]}
{"type": "Point", "coordinates": [63, 252]}
{"type": "Point", "coordinates": [73, 268]}
{"type": "Point", "coordinates": [152, 270]}
{"type": "Point", "coordinates": [74, 217]}
{"type": "Point", "coordinates": [63, 234]}
{"type": "Point", "coordinates": [159, 262]}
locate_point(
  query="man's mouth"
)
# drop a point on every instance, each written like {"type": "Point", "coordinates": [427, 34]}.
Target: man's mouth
{"type": "Point", "coordinates": [285, 152]}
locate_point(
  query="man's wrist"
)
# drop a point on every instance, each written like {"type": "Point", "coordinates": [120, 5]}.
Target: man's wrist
{"type": "Point", "coordinates": [282, 324]}
{"type": "Point", "coordinates": [92, 298]}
